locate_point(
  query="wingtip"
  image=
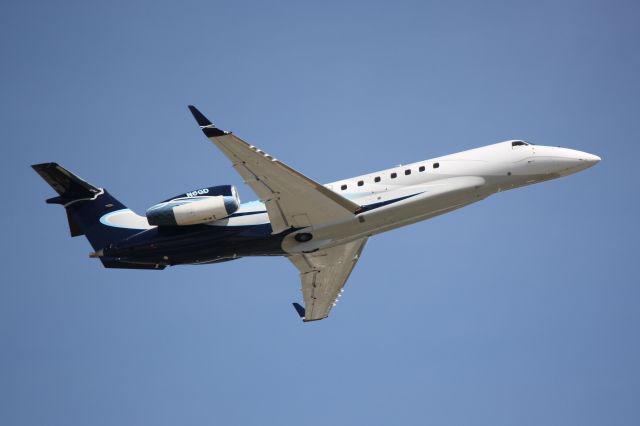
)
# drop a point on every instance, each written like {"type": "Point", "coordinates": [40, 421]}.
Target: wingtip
{"type": "Point", "coordinates": [200, 118]}
{"type": "Point", "coordinates": [208, 128]}
{"type": "Point", "coordinates": [299, 310]}
{"type": "Point", "coordinates": [314, 319]}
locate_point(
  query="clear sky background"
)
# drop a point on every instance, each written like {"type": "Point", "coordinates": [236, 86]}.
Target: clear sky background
{"type": "Point", "coordinates": [519, 310]}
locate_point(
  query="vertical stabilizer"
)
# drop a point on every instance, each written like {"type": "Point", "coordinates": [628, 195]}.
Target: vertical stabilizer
{"type": "Point", "coordinates": [85, 205]}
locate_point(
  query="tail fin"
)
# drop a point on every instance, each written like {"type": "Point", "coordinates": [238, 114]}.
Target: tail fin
{"type": "Point", "coordinates": [86, 206]}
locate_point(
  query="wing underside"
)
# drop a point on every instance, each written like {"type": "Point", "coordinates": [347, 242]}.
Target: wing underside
{"type": "Point", "coordinates": [295, 201]}
{"type": "Point", "coordinates": [292, 199]}
{"type": "Point", "coordinates": [323, 275]}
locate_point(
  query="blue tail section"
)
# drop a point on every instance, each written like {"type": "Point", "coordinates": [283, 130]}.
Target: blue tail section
{"type": "Point", "coordinates": [85, 205]}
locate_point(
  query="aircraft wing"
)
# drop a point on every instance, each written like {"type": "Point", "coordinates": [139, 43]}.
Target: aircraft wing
{"type": "Point", "coordinates": [292, 199]}
{"type": "Point", "coordinates": [323, 274]}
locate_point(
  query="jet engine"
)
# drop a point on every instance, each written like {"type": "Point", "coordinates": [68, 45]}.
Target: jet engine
{"type": "Point", "coordinates": [199, 206]}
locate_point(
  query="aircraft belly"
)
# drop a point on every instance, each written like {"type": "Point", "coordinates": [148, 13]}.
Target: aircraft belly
{"type": "Point", "coordinates": [419, 208]}
{"type": "Point", "coordinates": [458, 192]}
{"type": "Point", "coordinates": [196, 244]}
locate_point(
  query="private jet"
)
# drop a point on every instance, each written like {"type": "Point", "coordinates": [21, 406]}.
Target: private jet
{"type": "Point", "coordinates": [321, 229]}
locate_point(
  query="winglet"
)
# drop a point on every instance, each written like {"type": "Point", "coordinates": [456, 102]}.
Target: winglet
{"type": "Point", "coordinates": [208, 128]}
{"type": "Point", "coordinates": [299, 309]}
{"type": "Point", "coordinates": [200, 118]}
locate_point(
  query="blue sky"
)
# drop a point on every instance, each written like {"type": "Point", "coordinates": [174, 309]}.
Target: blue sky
{"type": "Point", "coordinates": [522, 309]}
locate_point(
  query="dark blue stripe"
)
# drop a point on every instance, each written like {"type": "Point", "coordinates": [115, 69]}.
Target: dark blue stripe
{"type": "Point", "coordinates": [374, 206]}
{"type": "Point", "coordinates": [247, 213]}
{"type": "Point", "coordinates": [364, 208]}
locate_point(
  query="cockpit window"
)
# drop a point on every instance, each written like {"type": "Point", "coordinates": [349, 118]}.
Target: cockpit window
{"type": "Point", "coordinates": [518, 143]}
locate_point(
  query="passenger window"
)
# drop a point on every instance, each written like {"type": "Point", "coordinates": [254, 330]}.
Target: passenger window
{"type": "Point", "coordinates": [421, 169]}
{"type": "Point", "coordinates": [407, 172]}
{"type": "Point", "coordinates": [436, 165]}
{"type": "Point", "coordinates": [343, 187]}
{"type": "Point", "coordinates": [394, 175]}
{"type": "Point", "coordinates": [376, 179]}
{"type": "Point", "coordinates": [360, 183]}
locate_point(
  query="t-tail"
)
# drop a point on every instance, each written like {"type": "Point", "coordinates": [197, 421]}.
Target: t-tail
{"type": "Point", "coordinates": [88, 210]}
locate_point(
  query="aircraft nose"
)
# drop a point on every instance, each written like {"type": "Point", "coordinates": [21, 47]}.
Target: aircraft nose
{"type": "Point", "coordinates": [588, 158]}
{"type": "Point", "coordinates": [575, 161]}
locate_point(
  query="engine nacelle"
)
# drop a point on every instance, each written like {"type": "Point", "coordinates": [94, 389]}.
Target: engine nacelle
{"type": "Point", "coordinates": [199, 206]}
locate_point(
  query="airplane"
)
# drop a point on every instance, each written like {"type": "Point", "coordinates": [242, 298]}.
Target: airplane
{"type": "Point", "coordinates": [321, 229]}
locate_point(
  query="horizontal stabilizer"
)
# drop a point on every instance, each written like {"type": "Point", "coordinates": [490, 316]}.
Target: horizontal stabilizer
{"type": "Point", "coordinates": [69, 186]}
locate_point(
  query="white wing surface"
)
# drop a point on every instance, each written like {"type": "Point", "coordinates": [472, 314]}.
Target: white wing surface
{"type": "Point", "coordinates": [323, 274]}
{"type": "Point", "coordinates": [292, 199]}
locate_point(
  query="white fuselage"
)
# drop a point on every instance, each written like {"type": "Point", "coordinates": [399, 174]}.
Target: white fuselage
{"type": "Point", "coordinates": [321, 229]}
{"type": "Point", "coordinates": [432, 187]}
{"type": "Point", "coordinates": [410, 193]}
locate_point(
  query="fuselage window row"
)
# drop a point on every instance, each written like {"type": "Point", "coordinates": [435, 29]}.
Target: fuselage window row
{"type": "Point", "coordinates": [393, 175]}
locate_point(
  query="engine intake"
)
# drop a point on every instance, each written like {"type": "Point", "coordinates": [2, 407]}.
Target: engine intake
{"type": "Point", "coordinates": [195, 207]}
